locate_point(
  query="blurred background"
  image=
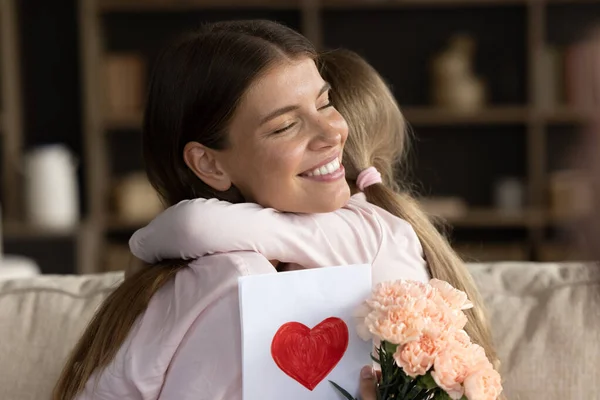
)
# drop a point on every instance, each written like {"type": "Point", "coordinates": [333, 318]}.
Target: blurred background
{"type": "Point", "coordinates": [497, 94]}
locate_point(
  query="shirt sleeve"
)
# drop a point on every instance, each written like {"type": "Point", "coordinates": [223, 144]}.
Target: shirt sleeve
{"type": "Point", "coordinates": [199, 227]}
{"type": "Point", "coordinates": [401, 255]}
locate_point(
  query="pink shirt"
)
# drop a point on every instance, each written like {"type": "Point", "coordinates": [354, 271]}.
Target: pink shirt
{"type": "Point", "coordinates": [187, 344]}
{"type": "Point", "coordinates": [358, 233]}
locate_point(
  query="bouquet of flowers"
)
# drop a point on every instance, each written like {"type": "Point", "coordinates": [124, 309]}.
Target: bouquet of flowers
{"type": "Point", "coordinates": [421, 346]}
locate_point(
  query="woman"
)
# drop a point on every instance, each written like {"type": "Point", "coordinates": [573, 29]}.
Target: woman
{"type": "Point", "coordinates": [207, 101]}
{"type": "Point", "coordinates": [222, 98]}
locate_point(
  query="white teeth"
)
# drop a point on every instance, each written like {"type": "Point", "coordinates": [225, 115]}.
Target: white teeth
{"type": "Point", "coordinates": [326, 169]}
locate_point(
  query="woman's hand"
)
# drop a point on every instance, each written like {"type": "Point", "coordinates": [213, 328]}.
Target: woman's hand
{"type": "Point", "coordinates": [367, 384]}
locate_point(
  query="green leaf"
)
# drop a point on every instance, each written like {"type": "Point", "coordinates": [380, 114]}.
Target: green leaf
{"type": "Point", "coordinates": [343, 391]}
{"type": "Point", "coordinates": [427, 381]}
{"type": "Point", "coordinates": [390, 348]}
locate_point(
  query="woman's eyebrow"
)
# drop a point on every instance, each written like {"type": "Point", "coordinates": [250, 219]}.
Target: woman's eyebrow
{"type": "Point", "coordinates": [286, 109]}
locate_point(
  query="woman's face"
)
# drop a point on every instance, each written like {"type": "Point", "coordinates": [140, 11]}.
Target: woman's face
{"type": "Point", "coordinates": [286, 142]}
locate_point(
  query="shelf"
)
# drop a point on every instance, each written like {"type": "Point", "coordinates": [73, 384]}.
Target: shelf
{"type": "Point", "coordinates": [559, 251]}
{"type": "Point", "coordinates": [573, 2]}
{"type": "Point", "coordinates": [187, 5]}
{"type": "Point", "coordinates": [430, 116]}
{"type": "Point", "coordinates": [16, 231]}
{"type": "Point", "coordinates": [116, 224]}
{"type": "Point", "coordinates": [491, 218]}
{"type": "Point", "coordinates": [353, 4]}
{"type": "Point", "coordinates": [566, 115]}
{"type": "Point", "coordinates": [131, 121]}
{"type": "Point", "coordinates": [492, 252]}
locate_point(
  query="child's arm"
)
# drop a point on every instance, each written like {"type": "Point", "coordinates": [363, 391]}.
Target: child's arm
{"type": "Point", "coordinates": [195, 228]}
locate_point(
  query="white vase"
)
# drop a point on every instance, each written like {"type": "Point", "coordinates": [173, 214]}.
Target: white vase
{"type": "Point", "coordinates": [52, 195]}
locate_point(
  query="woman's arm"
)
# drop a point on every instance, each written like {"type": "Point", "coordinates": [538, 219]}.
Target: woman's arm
{"type": "Point", "coordinates": [194, 228]}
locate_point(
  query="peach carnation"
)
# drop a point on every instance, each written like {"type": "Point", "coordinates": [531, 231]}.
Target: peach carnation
{"type": "Point", "coordinates": [453, 297]}
{"type": "Point", "coordinates": [441, 319]}
{"type": "Point", "coordinates": [417, 357]}
{"type": "Point", "coordinates": [451, 367]}
{"type": "Point", "coordinates": [401, 311]}
{"type": "Point", "coordinates": [483, 384]}
{"type": "Point", "coordinates": [398, 293]}
{"type": "Point", "coordinates": [462, 338]}
{"type": "Point", "coordinates": [396, 325]}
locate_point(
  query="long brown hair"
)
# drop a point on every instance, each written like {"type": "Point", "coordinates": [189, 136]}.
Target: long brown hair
{"type": "Point", "coordinates": [378, 137]}
{"type": "Point", "coordinates": [194, 90]}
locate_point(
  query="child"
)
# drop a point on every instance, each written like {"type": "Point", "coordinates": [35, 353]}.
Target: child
{"type": "Point", "coordinates": [380, 225]}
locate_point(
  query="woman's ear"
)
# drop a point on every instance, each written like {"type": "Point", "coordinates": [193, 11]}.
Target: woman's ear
{"type": "Point", "coordinates": [204, 164]}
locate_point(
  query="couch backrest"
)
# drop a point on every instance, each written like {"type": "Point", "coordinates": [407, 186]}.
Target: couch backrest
{"type": "Point", "coordinates": [41, 319]}
{"type": "Point", "coordinates": [546, 323]}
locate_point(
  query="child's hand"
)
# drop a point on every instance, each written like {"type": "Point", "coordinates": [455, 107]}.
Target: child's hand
{"type": "Point", "coordinates": [367, 384]}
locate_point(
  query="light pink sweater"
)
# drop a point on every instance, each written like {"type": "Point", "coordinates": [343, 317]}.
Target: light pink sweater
{"type": "Point", "coordinates": [187, 345]}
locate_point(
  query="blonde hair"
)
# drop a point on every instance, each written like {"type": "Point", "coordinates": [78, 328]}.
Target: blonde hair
{"type": "Point", "coordinates": [378, 137]}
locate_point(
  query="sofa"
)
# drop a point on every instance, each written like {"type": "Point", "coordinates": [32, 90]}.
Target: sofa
{"type": "Point", "coordinates": [545, 319]}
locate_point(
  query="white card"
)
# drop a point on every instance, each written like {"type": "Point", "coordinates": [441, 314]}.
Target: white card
{"type": "Point", "coordinates": [298, 332]}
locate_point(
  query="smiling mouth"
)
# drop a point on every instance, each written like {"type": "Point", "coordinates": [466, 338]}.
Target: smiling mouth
{"type": "Point", "coordinates": [327, 169]}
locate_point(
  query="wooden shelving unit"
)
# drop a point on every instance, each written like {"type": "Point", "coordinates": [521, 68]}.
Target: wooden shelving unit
{"type": "Point", "coordinates": [11, 123]}
{"type": "Point", "coordinates": [428, 116]}
{"type": "Point", "coordinates": [324, 21]}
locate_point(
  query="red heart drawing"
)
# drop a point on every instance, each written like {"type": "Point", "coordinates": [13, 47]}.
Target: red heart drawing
{"type": "Point", "coordinates": [309, 355]}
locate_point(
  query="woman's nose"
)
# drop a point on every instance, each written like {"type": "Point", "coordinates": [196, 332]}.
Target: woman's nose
{"type": "Point", "coordinates": [328, 132]}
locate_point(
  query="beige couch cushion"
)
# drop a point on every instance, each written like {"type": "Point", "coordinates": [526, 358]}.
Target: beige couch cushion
{"type": "Point", "coordinates": [546, 323]}
{"type": "Point", "coordinates": [41, 319]}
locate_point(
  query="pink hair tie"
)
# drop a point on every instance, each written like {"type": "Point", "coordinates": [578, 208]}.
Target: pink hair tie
{"type": "Point", "coordinates": [368, 177]}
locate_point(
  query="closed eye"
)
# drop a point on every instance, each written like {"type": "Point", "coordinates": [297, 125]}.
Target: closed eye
{"type": "Point", "coordinates": [329, 104]}
{"type": "Point", "coordinates": [284, 128]}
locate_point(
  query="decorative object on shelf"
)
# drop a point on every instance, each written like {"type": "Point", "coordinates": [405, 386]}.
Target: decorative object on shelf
{"type": "Point", "coordinates": [581, 62]}
{"type": "Point", "coordinates": [136, 201]}
{"type": "Point", "coordinates": [509, 195]}
{"type": "Point", "coordinates": [445, 207]}
{"type": "Point", "coordinates": [52, 193]}
{"type": "Point", "coordinates": [454, 83]}
{"type": "Point", "coordinates": [125, 83]}
{"type": "Point", "coordinates": [570, 194]}
{"type": "Point", "coordinates": [551, 78]}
